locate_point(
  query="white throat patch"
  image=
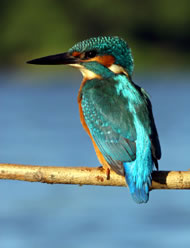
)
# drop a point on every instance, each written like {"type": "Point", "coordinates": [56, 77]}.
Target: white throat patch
{"type": "Point", "coordinates": [85, 72]}
{"type": "Point", "coordinates": [117, 69]}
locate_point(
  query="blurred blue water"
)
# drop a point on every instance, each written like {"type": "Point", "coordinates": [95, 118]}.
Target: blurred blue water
{"type": "Point", "coordinates": [39, 124]}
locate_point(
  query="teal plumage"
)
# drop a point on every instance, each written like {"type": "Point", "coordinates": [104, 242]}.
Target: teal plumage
{"type": "Point", "coordinates": [119, 116]}
{"type": "Point", "coordinates": [116, 113]}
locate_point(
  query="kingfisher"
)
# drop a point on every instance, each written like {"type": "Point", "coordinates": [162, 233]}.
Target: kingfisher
{"type": "Point", "coordinates": [114, 111]}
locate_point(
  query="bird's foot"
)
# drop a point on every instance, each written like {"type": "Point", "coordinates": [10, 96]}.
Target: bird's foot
{"type": "Point", "coordinates": [108, 173]}
{"type": "Point", "coordinates": [107, 170]}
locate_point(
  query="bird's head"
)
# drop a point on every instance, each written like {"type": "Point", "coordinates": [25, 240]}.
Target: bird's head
{"type": "Point", "coordinates": [95, 57]}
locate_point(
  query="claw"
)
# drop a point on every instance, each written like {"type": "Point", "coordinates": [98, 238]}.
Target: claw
{"type": "Point", "coordinates": [107, 170]}
{"type": "Point", "coordinates": [108, 173]}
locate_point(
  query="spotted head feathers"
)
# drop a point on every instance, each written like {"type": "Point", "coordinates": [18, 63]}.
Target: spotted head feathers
{"type": "Point", "coordinates": [107, 45]}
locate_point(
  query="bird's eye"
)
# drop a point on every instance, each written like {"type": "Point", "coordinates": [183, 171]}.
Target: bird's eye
{"type": "Point", "coordinates": [90, 54]}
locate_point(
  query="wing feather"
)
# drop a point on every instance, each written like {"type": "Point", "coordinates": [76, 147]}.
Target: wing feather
{"type": "Point", "coordinates": [111, 124]}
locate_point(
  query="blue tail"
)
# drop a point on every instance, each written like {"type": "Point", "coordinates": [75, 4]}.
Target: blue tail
{"type": "Point", "coordinates": [138, 181]}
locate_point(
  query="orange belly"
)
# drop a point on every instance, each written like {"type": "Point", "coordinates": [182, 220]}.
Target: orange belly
{"type": "Point", "coordinates": [101, 158]}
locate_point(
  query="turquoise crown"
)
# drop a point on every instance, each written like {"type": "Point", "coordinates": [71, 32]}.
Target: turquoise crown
{"type": "Point", "coordinates": [108, 45]}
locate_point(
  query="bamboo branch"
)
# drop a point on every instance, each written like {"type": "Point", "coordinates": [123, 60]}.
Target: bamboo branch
{"type": "Point", "coordinates": [88, 176]}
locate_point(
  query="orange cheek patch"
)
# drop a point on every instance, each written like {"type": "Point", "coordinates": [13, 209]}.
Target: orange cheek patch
{"type": "Point", "coordinates": [106, 60]}
{"type": "Point", "coordinates": [76, 54]}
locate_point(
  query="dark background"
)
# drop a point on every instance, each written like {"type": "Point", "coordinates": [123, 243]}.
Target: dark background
{"type": "Point", "coordinates": [157, 31]}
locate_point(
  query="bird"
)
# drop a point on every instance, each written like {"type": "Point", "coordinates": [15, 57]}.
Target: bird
{"type": "Point", "coordinates": [114, 111]}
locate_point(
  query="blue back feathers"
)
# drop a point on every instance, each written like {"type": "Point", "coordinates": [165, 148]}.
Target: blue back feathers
{"type": "Point", "coordinates": [119, 117]}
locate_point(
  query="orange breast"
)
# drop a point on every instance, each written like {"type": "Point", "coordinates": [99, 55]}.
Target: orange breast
{"type": "Point", "coordinates": [98, 152]}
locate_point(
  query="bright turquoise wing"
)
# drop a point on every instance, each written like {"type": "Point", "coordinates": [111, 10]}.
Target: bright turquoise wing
{"type": "Point", "coordinates": [110, 122]}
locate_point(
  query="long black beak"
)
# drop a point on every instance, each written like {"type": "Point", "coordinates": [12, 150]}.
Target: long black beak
{"type": "Point", "coordinates": [58, 59]}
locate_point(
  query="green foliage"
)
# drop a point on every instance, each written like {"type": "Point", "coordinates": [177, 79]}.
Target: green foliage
{"type": "Point", "coordinates": [157, 31]}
